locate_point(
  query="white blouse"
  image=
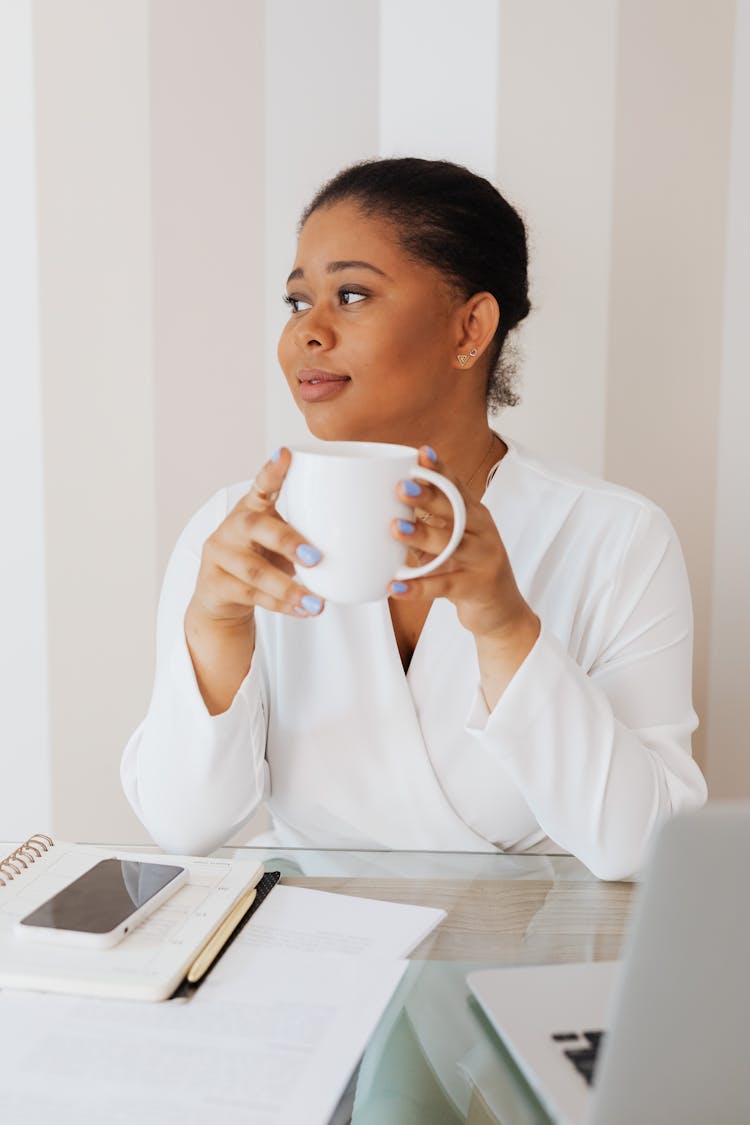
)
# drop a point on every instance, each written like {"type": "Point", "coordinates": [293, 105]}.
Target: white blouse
{"type": "Point", "coordinates": [588, 748]}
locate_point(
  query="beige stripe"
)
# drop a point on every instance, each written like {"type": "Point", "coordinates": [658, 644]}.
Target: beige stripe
{"type": "Point", "coordinates": [555, 141]}
{"type": "Point", "coordinates": [91, 96]}
{"type": "Point", "coordinates": [671, 166]}
{"type": "Point", "coordinates": [207, 130]}
{"type": "Point", "coordinates": [321, 114]}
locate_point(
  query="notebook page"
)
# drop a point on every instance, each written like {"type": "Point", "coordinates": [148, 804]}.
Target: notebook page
{"type": "Point", "coordinates": [150, 961]}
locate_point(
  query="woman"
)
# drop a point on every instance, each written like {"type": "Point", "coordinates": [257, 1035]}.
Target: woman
{"type": "Point", "coordinates": [532, 693]}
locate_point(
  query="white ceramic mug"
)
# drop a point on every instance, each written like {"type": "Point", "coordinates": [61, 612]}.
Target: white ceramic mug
{"type": "Point", "coordinates": [342, 497]}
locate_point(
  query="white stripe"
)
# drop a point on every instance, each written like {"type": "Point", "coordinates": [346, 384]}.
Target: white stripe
{"type": "Point", "coordinates": [24, 720]}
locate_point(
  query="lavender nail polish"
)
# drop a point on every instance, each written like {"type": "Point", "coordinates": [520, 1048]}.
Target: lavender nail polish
{"type": "Point", "coordinates": [411, 488]}
{"type": "Point", "coordinates": [308, 555]}
{"type": "Point", "coordinates": [399, 587]}
{"type": "Point", "coordinates": [312, 604]}
{"type": "Point", "coordinates": [431, 453]}
{"type": "Point", "coordinates": [276, 454]}
{"type": "Point", "coordinates": [406, 527]}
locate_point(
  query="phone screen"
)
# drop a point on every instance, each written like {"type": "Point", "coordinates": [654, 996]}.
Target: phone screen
{"type": "Point", "coordinates": [102, 898]}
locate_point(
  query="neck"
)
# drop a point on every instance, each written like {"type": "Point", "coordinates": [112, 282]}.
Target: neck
{"type": "Point", "coordinates": [469, 454]}
{"type": "Point", "coordinates": [463, 444]}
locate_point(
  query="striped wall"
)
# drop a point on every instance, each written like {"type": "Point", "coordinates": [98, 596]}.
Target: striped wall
{"type": "Point", "coordinates": [154, 157]}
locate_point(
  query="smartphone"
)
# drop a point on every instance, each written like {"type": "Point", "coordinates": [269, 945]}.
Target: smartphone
{"type": "Point", "coordinates": [108, 901]}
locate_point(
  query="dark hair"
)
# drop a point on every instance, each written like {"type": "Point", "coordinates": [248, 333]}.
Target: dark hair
{"type": "Point", "coordinates": [456, 221]}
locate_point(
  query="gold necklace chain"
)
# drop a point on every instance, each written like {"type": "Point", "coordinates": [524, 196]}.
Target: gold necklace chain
{"type": "Point", "coordinates": [485, 455]}
{"type": "Point", "coordinates": [424, 517]}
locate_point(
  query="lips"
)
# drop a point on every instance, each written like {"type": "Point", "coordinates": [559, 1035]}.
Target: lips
{"type": "Point", "coordinates": [316, 385]}
{"type": "Point", "coordinates": [316, 376]}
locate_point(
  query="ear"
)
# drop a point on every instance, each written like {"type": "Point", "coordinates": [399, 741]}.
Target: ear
{"type": "Point", "coordinates": [477, 321]}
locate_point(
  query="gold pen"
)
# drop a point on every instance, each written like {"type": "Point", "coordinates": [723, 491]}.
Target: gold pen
{"type": "Point", "coordinates": [219, 937]}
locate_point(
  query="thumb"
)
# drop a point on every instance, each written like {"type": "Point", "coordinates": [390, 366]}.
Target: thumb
{"type": "Point", "coordinates": [267, 484]}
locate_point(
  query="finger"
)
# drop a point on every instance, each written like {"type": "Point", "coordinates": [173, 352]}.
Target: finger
{"type": "Point", "coordinates": [303, 603]}
{"type": "Point", "coordinates": [270, 532]}
{"type": "Point", "coordinates": [426, 455]}
{"type": "Point", "coordinates": [420, 536]}
{"type": "Point", "coordinates": [429, 503]}
{"type": "Point", "coordinates": [265, 489]}
{"type": "Point", "coordinates": [255, 572]}
{"type": "Point", "coordinates": [429, 459]}
{"type": "Point", "coordinates": [441, 584]}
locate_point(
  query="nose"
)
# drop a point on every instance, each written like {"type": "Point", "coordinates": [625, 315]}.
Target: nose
{"type": "Point", "coordinates": [314, 331]}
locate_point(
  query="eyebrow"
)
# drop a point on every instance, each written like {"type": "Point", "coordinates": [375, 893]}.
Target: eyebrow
{"type": "Point", "coordinates": [336, 267]}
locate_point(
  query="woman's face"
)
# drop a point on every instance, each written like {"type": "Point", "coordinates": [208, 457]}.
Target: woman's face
{"type": "Point", "coordinates": [371, 333]}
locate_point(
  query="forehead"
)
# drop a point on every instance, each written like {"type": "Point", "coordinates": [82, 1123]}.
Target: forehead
{"type": "Point", "coordinates": [344, 232]}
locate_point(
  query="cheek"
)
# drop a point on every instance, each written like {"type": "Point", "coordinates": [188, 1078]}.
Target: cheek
{"type": "Point", "coordinates": [417, 343]}
{"type": "Point", "coordinates": [400, 331]}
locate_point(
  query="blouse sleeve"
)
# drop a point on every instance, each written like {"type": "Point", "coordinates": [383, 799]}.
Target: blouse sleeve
{"type": "Point", "coordinates": [191, 777]}
{"type": "Point", "coordinates": [602, 754]}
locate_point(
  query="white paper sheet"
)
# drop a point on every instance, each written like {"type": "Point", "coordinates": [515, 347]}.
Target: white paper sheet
{"type": "Point", "coordinates": [271, 1040]}
{"type": "Point", "coordinates": [304, 920]}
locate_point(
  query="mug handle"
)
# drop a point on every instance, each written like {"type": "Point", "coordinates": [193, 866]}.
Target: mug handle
{"type": "Point", "coordinates": [459, 523]}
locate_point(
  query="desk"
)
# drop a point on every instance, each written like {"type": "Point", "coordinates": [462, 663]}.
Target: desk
{"type": "Point", "coordinates": [433, 1059]}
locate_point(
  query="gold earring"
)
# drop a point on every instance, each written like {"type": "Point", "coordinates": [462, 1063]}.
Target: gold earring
{"type": "Point", "coordinates": [464, 359]}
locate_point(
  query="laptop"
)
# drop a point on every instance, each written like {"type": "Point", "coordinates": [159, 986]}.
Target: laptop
{"type": "Point", "coordinates": [663, 1036]}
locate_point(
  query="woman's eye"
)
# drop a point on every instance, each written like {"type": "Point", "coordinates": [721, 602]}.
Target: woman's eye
{"type": "Point", "coordinates": [350, 296]}
{"type": "Point", "coordinates": [300, 304]}
{"type": "Point", "coordinates": [296, 304]}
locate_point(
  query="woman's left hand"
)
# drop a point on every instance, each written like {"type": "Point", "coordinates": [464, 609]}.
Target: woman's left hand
{"type": "Point", "coordinates": [477, 578]}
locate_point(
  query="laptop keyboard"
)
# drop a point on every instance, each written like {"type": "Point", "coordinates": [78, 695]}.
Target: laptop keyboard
{"type": "Point", "coordinates": [581, 1048]}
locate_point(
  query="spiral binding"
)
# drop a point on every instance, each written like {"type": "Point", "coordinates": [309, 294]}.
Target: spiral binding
{"type": "Point", "coordinates": [16, 863]}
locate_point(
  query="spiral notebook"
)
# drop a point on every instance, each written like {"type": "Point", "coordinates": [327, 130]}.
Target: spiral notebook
{"type": "Point", "coordinates": [149, 963]}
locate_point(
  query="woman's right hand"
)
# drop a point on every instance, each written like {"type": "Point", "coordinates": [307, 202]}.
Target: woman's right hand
{"type": "Point", "coordinates": [249, 559]}
{"type": "Point", "coordinates": [247, 562]}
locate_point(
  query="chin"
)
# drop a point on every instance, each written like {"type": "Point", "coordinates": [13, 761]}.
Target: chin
{"type": "Point", "coordinates": [328, 430]}
{"type": "Point", "coordinates": [326, 426]}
